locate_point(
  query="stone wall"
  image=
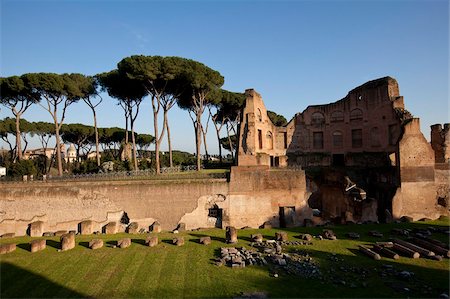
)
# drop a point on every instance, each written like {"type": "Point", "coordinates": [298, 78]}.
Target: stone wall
{"type": "Point", "coordinates": [440, 141]}
{"type": "Point", "coordinates": [417, 195]}
{"type": "Point", "coordinates": [260, 141]}
{"type": "Point", "coordinates": [63, 205]}
{"type": "Point", "coordinates": [253, 196]}
{"type": "Point", "coordinates": [365, 121]}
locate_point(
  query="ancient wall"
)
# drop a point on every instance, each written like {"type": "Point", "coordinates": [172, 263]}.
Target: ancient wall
{"type": "Point", "coordinates": [364, 121]}
{"type": "Point", "coordinates": [256, 196]}
{"type": "Point", "coordinates": [261, 142]}
{"type": "Point", "coordinates": [253, 196]}
{"type": "Point", "coordinates": [440, 141]}
{"type": "Point", "coordinates": [62, 205]}
{"type": "Point", "coordinates": [417, 195]}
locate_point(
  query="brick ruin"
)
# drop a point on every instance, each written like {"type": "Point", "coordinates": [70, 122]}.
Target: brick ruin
{"type": "Point", "coordinates": [360, 159]}
{"type": "Point", "coordinates": [364, 156]}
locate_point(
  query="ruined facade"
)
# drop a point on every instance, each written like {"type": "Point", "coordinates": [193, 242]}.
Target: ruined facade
{"type": "Point", "coordinates": [367, 142]}
{"type": "Point", "coordinates": [360, 159]}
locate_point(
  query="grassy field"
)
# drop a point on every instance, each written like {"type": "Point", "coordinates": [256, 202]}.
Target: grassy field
{"type": "Point", "coordinates": [189, 271]}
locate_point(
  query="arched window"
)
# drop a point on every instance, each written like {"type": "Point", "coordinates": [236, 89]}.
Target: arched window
{"type": "Point", "coordinates": [356, 114]}
{"type": "Point", "coordinates": [269, 140]}
{"type": "Point", "coordinates": [317, 118]}
{"type": "Point", "coordinates": [338, 139]}
{"type": "Point", "coordinates": [259, 115]}
{"type": "Point", "coordinates": [337, 116]}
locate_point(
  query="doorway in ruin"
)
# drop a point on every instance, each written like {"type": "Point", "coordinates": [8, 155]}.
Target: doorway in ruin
{"type": "Point", "coordinates": [216, 213]}
{"type": "Point", "coordinates": [274, 161]}
{"type": "Point", "coordinates": [287, 216]}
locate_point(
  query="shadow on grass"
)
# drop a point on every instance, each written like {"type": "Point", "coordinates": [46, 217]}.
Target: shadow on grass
{"type": "Point", "coordinates": [25, 246]}
{"type": "Point", "coordinates": [139, 241]}
{"type": "Point", "coordinates": [54, 244]}
{"type": "Point", "coordinates": [13, 278]}
{"type": "Point", "coordinates": [168, 241]}
{"type": "Point", "coordinates": [213, 238]}
{"type": "Point", "coordinates": [111, 243]}
{"type": "Point", "coordinates": [84, 244]}
{"type": "Point", "coordinates": [196, 241]}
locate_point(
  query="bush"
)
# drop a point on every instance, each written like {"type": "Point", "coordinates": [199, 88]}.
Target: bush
{"type": "Point", "coordinates": [21, 168]}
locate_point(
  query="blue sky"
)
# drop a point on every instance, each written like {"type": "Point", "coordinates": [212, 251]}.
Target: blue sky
{"type": "Point", "coordinates": [295, 53]}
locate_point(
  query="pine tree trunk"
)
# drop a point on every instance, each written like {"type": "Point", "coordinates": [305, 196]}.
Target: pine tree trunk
{"type": "Point", "coordinates": [169, 141]}
{"type": "Point", "coordinates": [198, 139]}
{"type": "Point", "coordinates": [18, 140]}
{"type": "Point", "coordinates": [97, 151]}
{"type": "Point", "coordinates": [205, 145]}
{"type": "Point", "coordinates": [58, 148]}
{"type": "Point", "coordinates": [155, 125]}
{"type": "Point", "coordinates": [218, 141]}
{"type": "Point", "coordinates": [134, 146]}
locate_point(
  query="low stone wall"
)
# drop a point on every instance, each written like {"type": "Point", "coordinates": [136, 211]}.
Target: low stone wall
{"type": "Point", "coordinates": [253, 196]}
{"type": "Point", "coordinates": [63, 205]}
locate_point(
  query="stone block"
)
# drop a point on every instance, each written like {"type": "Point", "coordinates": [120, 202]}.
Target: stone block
{"type": "Point", "coordinates": [306, 237]}
{"type": "Point", "coordinates": [60, 233]}
{"type": "Point", "coordinates": [36, 229]}
{"type": "Point", "coordinates": [151, 241]}
{"type": "Point", "coordinates": [86, 227]}
{"type": "Point", "coordinates": [48, 234]}
{"type": "Point", "coordinates": [38, 245]}
{"type": "Point", "coordinates": [7, 248]}
{"type": "Point", "coordinates": [328, 234]}
{"type": "Point", "coordinates": [67, 241]}
{"type": "Point", "coordinates": [257, 238]}
{"type": "Point", "coordinates": [133, 228]}
{"type": "Point", "coordinates": [124, 243]}
{"type": "Point", "coordinates": [8, 235]}
{"type": "Point", "coordinates": [231, 234]}
{"type": "Point", "coordinates": [281, 236]}
{"type": "Point", "coordinates": [178, 241]}
{"type": "Point", "coordinates": [110, 228]}
{"type": "Point", "coordinates": [205, 240]}
{"type": "Point", "coordinates": [156, 227]}
{"type": "Point", "coordinates": [96, 244]}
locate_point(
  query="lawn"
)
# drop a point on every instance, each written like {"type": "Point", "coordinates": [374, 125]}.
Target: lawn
{"type": "Point", "coordinates": [190, 271]}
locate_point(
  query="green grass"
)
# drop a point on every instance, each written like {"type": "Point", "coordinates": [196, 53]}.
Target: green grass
{"type": "Point", "coordinates": [188, 271]}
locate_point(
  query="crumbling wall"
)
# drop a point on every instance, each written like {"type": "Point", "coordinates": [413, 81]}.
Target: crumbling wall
{"type": "Point", "coordinates": [416, 196]}
{"type": "Point", "coordinates": [365, 121]}
{"type": "Point", "coordinates": [257, 194]}
{"type": "Point", "coordinates": [260, 141]}
{"type": "Point", "coordinates": [62, 205]}
{"type": "Point", "coordinates": [440, 142]}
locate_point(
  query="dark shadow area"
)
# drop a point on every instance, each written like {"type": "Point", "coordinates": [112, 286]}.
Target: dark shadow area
{"type": "Point", "coordinates": [168, 242]}
{"type": "Point", "coordinates": [196, 241]}
{"type": "Point", "coordinates": [54, 244]}
{"type": "Point", "coordinates": [111, 243]}
{"type": "Point", "coordinates": [244, 238]}
{"type": "Point", "coordinates": [25, 246]}
{"type": "Point", "coordinates": [19, 283]}
{"type": "Point", "coordinates": [139, 241]}
{"type": "Point", "coordinates": [213, 238]}
{"type": "Point", "coordinates": [84, 244]}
